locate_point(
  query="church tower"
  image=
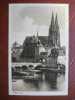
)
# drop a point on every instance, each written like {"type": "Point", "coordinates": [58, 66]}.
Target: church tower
{"type": "Point", "coordinates": [54, 34]}
{"type": "Point", "coordinates": [51, 32]}
{"type": "Point", "coordinates": [57, 33]}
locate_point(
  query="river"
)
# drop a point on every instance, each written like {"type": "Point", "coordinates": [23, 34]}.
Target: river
{"type": "Point", "coordinates": [22, 85]}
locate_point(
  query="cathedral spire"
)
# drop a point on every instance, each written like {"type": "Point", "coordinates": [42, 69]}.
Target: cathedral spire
{"type": "Point", "coordinates": [56, 23]}
{"type": "Point", "coordinates": [52, 23]}
{"type": "Point", "coordinates": [51, 31]}
{"type": "Point", "coordinates": [57, 33]}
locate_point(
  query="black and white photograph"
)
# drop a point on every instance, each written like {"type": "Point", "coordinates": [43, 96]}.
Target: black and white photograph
{"type": "Point", "coordinates": [38, 49]}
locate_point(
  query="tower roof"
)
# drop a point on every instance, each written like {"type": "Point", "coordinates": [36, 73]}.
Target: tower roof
{"type": "Point", "coordinates": [57, 32]}
{"type": "Point", "coordinates": [56, 24]}
{"type": "Point", "coordinates": [51, 28]}
{"type": "Point", "coordinates": [54, 34]}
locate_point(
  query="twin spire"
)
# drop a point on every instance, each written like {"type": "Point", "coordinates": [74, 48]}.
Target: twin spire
{"type": "Point", "coordinates": [54, 23]}
{"type": "Point", "coordinates": [54, 34]}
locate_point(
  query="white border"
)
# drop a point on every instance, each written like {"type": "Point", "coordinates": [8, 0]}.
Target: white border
{"type": "Point", "coordinates": [40, 93]}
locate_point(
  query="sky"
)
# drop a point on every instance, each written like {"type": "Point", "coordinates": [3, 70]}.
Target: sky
{"type": "Point", "coordinates": [28, 19]}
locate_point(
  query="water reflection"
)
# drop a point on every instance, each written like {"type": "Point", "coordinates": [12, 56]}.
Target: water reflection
{"type": "Point", "coordinates": [38, 85]}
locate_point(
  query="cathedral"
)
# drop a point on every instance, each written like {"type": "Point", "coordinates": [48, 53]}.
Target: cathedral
{"type": "Point", "coordinates": [37, 46]}
{"type": "Point", "coordinates": [33, 46]}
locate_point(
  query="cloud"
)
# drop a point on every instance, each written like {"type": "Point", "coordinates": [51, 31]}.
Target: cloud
{"type": "Point", "coordinates": [26, 20]}
{"type": "Point", "coordinates": [43, 30]}
{"type": "Point", "coordinates": [29, 28]}
{"type": "Point", "coordinates": [28, 25]}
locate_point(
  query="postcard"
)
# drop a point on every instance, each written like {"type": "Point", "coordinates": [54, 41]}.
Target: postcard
{"type": "Point", "coordinates": [38, 49]}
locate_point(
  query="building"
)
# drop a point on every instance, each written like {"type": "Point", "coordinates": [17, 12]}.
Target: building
{"type": "Point", "coordinates": [35, 46]}
{"type": "Point", "coordinates": [54, 34]}
{"type": "Point", "coordinates": [16, 51]}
